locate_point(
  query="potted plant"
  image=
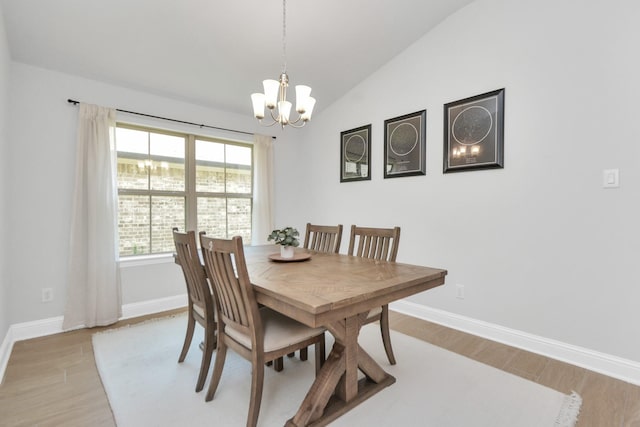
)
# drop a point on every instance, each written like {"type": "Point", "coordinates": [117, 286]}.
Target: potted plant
{"type": "Point", "coordinates": [287, 238]}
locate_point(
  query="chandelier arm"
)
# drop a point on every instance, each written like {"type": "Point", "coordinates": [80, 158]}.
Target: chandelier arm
{"type": "Point", "coordinates": [293, 124]}
{"type": "Point", "coordinates": [267, 124]}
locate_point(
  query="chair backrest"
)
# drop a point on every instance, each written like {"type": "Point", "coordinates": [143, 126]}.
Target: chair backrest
{"type": "Point", "coordinates": [323, 238]}
{"type": "Point", "coordinates": [194, 273]}
{"type": "Point", "coordinates": [227, 269]}
{"type": "Point", "coordinates": [375, 243]}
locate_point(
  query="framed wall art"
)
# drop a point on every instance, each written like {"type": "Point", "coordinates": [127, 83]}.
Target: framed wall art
{"type": "Point", "coordinates": [405, 145]}
{"type": "Point", "coordinates": [355, 154]}
{"type": "Point", "coordinates": [474, 133]}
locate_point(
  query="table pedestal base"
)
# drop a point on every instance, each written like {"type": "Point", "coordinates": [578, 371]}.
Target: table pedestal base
{"type": "Point", "coordinates": [337, 407]}
{"type": "Point", "coordinates": [336, 388]}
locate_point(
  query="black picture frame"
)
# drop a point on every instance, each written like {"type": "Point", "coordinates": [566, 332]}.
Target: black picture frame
{"type": "Point", "coordinates": [355, 154]}
{"type": "Point", "coordinates": [405, 145]}
{"type": "Point", "coordinates": [474, 133]}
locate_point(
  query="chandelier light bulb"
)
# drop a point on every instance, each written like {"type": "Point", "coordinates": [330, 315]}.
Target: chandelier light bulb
{"type": "Point", "coordinates": [302, 98]}
{"type": "Point", "coordinates": [257, 99]}
{"type": "Point", "coordinates": [271, 88]}
{"type": "Point", "coordinates": [284, 108]}
{"type": "Point", "coordinates": [306, 116]}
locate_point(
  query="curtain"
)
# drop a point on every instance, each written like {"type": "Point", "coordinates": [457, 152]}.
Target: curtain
{"type": "Point", "coordinates": [262, 222]}
{"type": "Point", "coordinates": [93, 290]}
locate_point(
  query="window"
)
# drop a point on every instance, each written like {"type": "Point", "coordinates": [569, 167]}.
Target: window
{"type": "Point", "coordinates": [168, 180]}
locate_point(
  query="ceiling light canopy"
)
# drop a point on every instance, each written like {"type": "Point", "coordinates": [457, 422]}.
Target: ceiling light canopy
{"type": "Point", "coordinates": [275, 93]}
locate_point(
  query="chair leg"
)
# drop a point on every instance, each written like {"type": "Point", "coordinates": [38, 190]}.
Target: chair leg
{"type": "Point", "coordinates": [191, 324]}
{"type": "Point", "coordinates": [304, 353]}
{"type": "Point", "coordinates": [278, 364]}
{"type": "Point", "coordinates": [221, 354]}
{"type": "Point", "coordinates": [257, 382]}
{"type": "Point", "coordinates": [386, 337]}
{"type": "Point", "coordinates": [209, 346]}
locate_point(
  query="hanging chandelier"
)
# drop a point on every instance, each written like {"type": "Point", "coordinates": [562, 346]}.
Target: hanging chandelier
{"type": "Point", "coordinates": [275, 93]}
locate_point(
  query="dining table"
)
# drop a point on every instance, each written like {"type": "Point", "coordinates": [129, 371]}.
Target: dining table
{"type": "Point", "coordinates": [336, 292]}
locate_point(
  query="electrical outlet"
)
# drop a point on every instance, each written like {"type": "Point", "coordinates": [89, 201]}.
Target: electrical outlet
{"type": "Point", "coordinates": [47, 294]}
{"type": "Point", "coordinates": [460, 291]}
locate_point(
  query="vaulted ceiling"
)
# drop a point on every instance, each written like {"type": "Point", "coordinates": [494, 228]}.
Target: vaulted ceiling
{"type": "Point", "coordinates": [217, 53]}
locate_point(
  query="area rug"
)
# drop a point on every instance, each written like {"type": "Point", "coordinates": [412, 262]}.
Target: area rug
{"type": "Point", "coordinates": [146, 386]}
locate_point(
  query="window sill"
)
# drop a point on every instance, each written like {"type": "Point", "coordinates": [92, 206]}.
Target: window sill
{"type": "Point", "coordinates": [141, 260]}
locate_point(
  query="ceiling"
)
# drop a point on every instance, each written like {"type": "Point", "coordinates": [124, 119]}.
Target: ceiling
{"type": "Point", "coordinates": [216, 53]}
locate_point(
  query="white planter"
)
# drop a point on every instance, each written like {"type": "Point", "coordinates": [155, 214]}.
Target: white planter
{"type": "Point", "coordinates": [286, 251]}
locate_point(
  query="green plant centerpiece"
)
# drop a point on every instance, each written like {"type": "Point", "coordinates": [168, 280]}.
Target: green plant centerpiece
{"type": "Point", "coordinates": [287, 238]}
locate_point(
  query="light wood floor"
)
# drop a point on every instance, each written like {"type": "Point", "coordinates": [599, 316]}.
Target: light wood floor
{"type": "Point", "coordinates": [53, 381]}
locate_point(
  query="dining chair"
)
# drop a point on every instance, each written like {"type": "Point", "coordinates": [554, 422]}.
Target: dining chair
{"type": "Point", "coordinates": [380, 244]}
{"type": "Point", "coordinates": [258, 334]}
{"type": "Point", "coordinates": [201, 307]}
{"type": "Point", "coordinates": [323, 238]}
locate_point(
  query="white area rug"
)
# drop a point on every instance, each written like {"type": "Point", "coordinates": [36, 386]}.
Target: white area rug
{"type": "Point", "coordinates": [147, 386]}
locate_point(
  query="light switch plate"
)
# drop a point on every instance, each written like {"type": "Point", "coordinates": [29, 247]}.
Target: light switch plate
{"type": "Point", "coordinates": [610, 178]}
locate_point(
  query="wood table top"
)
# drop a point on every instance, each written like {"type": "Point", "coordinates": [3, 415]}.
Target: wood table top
{"type": "Point", "coordinates": [331, 286]}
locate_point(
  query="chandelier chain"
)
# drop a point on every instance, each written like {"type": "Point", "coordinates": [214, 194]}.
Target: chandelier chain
{"type": "Point", "coordinates": [284, 36]}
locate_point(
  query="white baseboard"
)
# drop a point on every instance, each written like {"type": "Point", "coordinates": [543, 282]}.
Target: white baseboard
{"type": "Point", "coordinates": [612, 366]}
{"type": "Point", "coordinates": [53, 325]}
{"type": "Point", "coordinates": [154, 306]}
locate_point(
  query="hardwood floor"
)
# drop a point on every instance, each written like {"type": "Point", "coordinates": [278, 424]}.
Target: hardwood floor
{"type": "Point", "coordinates": [53, 380]}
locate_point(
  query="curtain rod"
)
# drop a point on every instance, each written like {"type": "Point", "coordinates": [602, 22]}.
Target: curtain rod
{"type": "Point", "coordinates": [74, 102]}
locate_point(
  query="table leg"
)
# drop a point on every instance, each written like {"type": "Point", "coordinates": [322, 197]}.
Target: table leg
{"type": "Point", "coordinates": [336, 388]}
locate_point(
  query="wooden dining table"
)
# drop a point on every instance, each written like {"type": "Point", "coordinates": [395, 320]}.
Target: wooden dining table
{"type": "Point", "coordinates": [336, 292]}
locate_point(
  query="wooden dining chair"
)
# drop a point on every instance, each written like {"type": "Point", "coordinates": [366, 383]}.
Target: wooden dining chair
{"type": "Point", "coordinates": [381, 244]}
{"type": "Point", "coordinates": [201, 307]}
{"type": "Point", "coordinates": [323, 238]}
{"type": "Point", "coordinates": [257, 334]}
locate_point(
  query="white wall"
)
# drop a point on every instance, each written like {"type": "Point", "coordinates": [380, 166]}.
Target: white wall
{"type": "Point", "coordinates": [41, 164]}
{"type": "Point", "coordinates": [4, 142]}
{"type": "Point", "coordinates": [540, 246]}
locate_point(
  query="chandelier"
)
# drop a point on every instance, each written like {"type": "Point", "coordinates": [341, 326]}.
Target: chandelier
{"type": "Point", "coordinates": [275, 93]}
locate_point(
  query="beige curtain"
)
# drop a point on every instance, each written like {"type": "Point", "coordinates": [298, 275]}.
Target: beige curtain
{"type": "Point", "coordinates": [262, 222]}
{"type": "Point", "coordinates": [93, 290]}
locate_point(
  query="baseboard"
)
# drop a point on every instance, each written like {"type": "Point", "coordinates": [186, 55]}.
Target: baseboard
{"type": "Point", "coordinates": [154, 306]}
{"type": "Point", "coordinates": [5, 352]}
{"type": "Point", "coordinates": [53, 325]}
{"type": "Point", "coordinates": [612, 366]}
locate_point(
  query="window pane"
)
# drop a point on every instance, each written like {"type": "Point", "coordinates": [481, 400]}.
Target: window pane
{"type": "Point", "coordinates": [168, 176]}
{"type": "Point", "coordinates": [238, 179]}
{"type": "Point", "coordinates": [132, 141]}
{"type": "Point", "coordinates": [239, 155]}
{"type": "Point", "coordinates": [238, 169]}
{"type": "Point", "coordinates": [133, 156]}
{"type": "Point", "coordinates": [239, 219]}
{"type": "Point", "coordinates": [132, 173]}
{"type": "Point", "coordinates": [212, 216]}
{"type": "Point", "coordinates": [166, 213]}
{"type": "Point", "coordinates": [209, 166]}
{"type": "Point", "coordinates": [167, 162]}
{"type": "Point", "coordinates": [133, 225]}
